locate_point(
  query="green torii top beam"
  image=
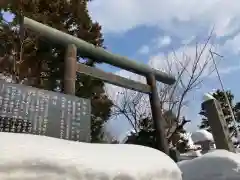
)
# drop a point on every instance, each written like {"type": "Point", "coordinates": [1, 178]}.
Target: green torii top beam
{"type": "Point", "coordinates": [96, 53]}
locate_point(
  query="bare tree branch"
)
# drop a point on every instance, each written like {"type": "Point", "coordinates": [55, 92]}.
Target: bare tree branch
{"type": "Point", "coordinates": [189, 70]}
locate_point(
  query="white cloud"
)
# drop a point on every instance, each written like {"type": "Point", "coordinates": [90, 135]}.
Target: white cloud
{"type": "Point", "coordinates": [186, 19]}
{"type": "Point", "coordinates": [232, 45]}
{"type": "Point", "coordinates": [183, 18]}
{"type": "Point", "coordinates": [159, 61]}
{"type": "Point", "coordinates": [188, 40]}
{"type": "Point", "coordinates": [164, 41]}
{"type": "Point", "coordinates": [184, 56]}
{"type": "Point", "coordinates": [229, 69]}
{"type": "Point", "coordinates": [181, 57]}
{"type": "Point", "coordinates": [144, 50]}
{"type": "Point", "coordinates": [156, 43]}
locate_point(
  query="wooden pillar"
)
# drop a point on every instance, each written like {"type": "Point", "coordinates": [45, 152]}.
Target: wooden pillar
{"type": "Point", "coordinates": [70, 69]}
{"type": "Point", "coordinates": [158, 122]}
{"type": "Point", "coordinates": [218, 125]}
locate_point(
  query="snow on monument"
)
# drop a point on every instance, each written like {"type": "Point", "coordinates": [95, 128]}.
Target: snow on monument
{"type": "Point", "coordinates": [34, 157]}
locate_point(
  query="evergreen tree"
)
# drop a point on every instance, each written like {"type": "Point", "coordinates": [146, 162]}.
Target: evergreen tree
{"type": "Point", "coordinates": [26, 55]}
{"type": "Point", "coordinates": [146, 136]}
{"type": "Point", "coordinates": [219, 95]}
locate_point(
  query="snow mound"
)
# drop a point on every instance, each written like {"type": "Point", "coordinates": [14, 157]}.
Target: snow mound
{"type": "Point", "coordinates": [35, 157]}
{"type": "Point", "coordinates": [201, 135]}
{"type": "Point", "coordinates": [216, 165]}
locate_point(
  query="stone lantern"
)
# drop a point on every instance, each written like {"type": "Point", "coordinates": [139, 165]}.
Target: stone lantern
{"type": "Point", "coordinates": [204, 139]}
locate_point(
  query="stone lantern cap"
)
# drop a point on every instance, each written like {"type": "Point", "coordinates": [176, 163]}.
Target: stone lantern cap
{"type": "Point", "coordinates": [201, 136]}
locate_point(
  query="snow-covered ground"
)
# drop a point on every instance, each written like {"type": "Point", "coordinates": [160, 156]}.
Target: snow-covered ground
{"type": "Point", "coordinates": [24, 156]}
{"type": "Point", "coordinates": [215, 165]}
{"type": "Point", "coordinates": [35, 157]}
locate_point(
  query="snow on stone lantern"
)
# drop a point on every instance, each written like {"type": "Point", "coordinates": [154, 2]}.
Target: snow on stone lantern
{"type": "Point", "coordinates": [204, 139]}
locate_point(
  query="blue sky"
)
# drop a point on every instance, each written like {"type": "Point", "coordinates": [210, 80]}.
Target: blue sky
{"type": "Point", "coordinates": [133, 44]}
{"type": "Point", "coordinates": [146, 31]}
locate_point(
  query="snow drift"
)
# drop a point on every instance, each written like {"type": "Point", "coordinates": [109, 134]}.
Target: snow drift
{"type": "Point", "coordinates": [35, 157]}
{"type": "Point", "coordinates": [215, 165]}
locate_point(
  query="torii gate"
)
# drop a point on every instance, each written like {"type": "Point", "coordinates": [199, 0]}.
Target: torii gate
{"type": "Point", "coordinates": [96, 53]}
